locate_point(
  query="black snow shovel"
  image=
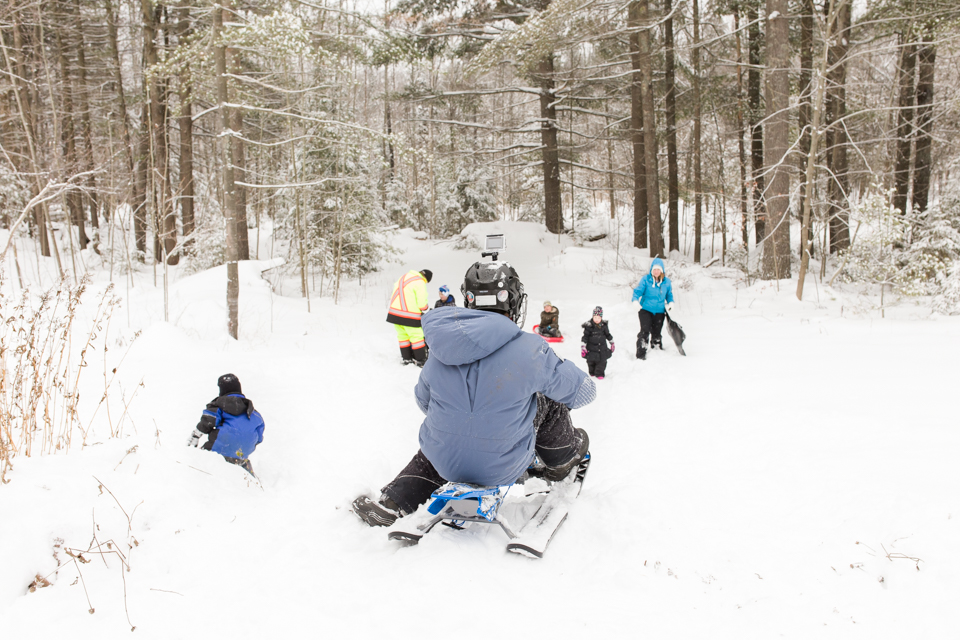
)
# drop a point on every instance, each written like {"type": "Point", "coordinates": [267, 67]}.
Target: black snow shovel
{"type": "Point", "coordinates": [676, 332]}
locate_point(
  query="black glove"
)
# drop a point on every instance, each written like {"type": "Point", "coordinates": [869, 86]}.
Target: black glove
{"type": "Point", "coordinates": [194, 438]}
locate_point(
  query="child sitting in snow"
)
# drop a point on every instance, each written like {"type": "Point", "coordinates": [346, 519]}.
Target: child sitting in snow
{"type": "Point", "coordinates": [232, 426]}
{"type": "Point", "coordinates": [550, 321]}
{"type": "Point", "coordinates": [593, 346]}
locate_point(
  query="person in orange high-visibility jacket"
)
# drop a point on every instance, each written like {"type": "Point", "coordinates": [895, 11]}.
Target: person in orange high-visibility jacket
{"type": "Point", "coordinates": [407, 304]}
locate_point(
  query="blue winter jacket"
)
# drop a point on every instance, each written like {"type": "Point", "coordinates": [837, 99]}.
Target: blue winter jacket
{"type": "Point", "coordinates": [654, 295]}
{"type": "Point", "coordinates": [239, 425]}
{"type": "Point", "coordinates": [479, 393]}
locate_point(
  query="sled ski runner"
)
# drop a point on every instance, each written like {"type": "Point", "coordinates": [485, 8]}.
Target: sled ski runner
{"type": "Point", "coordinates": [455, 504]}
{"type": "Point", "coordinates": [534, 537]}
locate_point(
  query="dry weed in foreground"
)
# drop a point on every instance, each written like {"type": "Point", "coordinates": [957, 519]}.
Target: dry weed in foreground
{"type": "Point", "coordinates": [41, 368]}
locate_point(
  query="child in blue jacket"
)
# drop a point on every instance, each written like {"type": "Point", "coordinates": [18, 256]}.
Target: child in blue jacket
{"type": "Point", "coordinates": [652, 298]}
{"type": "Point", "coordinates": [232, 426]}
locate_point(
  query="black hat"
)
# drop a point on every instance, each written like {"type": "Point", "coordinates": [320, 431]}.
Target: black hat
{"type": "Point", "coordinates": [228, 383]}
{"type": "Point", "coordinates": [426, 273]}
{"type": "Point", "coordinates": [495, 286]}
{"type": "Point", "coordinates": [598, 311]}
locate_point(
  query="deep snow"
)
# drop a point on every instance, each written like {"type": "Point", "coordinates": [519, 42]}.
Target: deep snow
{"type": "Point", "coordinates": [753, 489]}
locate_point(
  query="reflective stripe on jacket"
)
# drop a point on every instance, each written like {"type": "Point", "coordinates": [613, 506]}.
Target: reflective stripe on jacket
{"type": "Point", "coordinates": [409, 300]}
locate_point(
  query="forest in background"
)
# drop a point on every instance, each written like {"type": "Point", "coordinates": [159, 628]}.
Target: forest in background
{"type": "Point", "coordinates": [138, 132]}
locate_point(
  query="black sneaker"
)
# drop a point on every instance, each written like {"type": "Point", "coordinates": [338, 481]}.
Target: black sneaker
{"type": "Point", "coordinates": [377, 514]}
{"type": "Point", "coordinates": [555, 474]}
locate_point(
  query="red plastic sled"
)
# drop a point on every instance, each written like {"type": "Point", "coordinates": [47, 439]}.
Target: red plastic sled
{"type": "Point", "coordinates": [547, 338]}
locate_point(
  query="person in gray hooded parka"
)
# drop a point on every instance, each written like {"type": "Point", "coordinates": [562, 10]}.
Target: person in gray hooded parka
{"type": "Point", "coordinates": [493, 396]}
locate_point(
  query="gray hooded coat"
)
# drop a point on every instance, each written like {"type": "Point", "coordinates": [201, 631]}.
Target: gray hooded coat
{"type": "Point", "coordinates": [479, 393]}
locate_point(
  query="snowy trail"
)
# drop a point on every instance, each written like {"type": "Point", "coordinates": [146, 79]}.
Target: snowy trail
{"type": "Point", "coordinates": [727, 497]}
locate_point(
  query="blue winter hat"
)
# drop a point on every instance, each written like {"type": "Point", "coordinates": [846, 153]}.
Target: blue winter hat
{"type": "Point", "coordinates": [444, 289]}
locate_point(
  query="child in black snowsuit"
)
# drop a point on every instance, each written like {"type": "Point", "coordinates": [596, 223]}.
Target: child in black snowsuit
{"type": "Point", "coordinates": [593, 346]}
{"type": "Point", "coordinates": [232, 426]}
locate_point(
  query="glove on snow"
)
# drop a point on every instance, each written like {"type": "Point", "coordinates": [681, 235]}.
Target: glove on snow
{"type": "Point", "coordinates": [583, 351]}
{"type": "Point", "coordinates": [636, 305]}
{"type": "Point", "coordinates": [669, 307]}
{"type": "Point", "coordinates": [194, 439]}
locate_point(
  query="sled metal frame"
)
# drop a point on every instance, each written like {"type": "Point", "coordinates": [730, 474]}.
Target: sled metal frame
{"type": "Point", "coordinates": [459, 503]}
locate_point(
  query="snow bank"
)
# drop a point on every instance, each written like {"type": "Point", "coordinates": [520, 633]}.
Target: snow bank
{"type": "Point", "coordinates": [793, 476]}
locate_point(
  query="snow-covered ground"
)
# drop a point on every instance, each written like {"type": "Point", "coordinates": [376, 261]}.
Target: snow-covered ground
{"type": "Point", "coordinates": [794, 476]}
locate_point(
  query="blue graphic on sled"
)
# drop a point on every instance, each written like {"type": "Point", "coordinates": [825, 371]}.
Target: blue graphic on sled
{"type": "Point", "coordinates": [488, 499]}
{"type": "Point", "coordinates": [456, 503]}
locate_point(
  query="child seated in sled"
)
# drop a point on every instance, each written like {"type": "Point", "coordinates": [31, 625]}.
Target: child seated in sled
{"type": "Point", "coordinates": [550, 321]}
{"type": "Point", "coordinates": [232, 426]}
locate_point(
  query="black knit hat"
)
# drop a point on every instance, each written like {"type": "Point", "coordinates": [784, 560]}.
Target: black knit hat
{"type": "Point", "coordinates": [228, 383]}
{"type": "Point", "coordinates": [598, 311]}
{"type": "Point", "coordinates": [426, 273]}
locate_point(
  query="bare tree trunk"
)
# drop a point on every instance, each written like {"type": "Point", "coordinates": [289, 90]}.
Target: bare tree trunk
{"type": "Point", "coordinates": [220, 14]}
{"type": "Point", "coordinates": [905, 115]}
{"type": "Point", "coordinates": [670, 104]}
{"type": "Point", "coordinates": [610, 178]}
{"type": "Point", "coordinates": [186, 133]}
{"type": "Point", "coordinates": [805, 108]}
{"type": "Point", "coordinates": [926, 57]}
{"type": "Point", "coordinates": [834, 24]}
{"type": "Point", "coordinates": [697, 124]}
{"type": "Point", "coordinates": [636, 133]}
{"type": "Point", "coordinates": [388, 126]}
{"type": "Point", "coordinates": [755, 114]}
{"type": "Point", "coordinates": [654, 225]}
{"type": "Point", "coordinates": [836, 137]}
{"type": "Point", "coordinates": [74, 198]}
{"type": "Point", "coordinates": [239, 164]}
{"type": "Point", "coordinates": [83, 103]}
{"type": "Point", "coordinates": [776, 248]}
{"type": "Point", "coordinates": [741, 132]}
{"type": "Point", "coordinates": [128, 150]}
{"type": "Point", "coordinates": [166, 221]}
{"type": "Point", "coordinates": [25, 106]}
{"type": "Point", "coordinates": [553, 205]}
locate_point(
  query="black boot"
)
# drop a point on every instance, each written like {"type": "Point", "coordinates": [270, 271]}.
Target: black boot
{"type": "Point", "coordinates": [406, 354]}
{"type": "Point", "coordinates": [377, 514]}
{"type": "Point", "coordinates": [555, 474]}
{"type": "Point", "coordinates": [420, 356]}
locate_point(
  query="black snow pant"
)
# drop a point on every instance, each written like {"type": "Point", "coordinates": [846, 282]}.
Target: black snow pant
{"type": "Point", "coordinates": [651, 324]}
{"type": "Point", "coordinates": [597, 366]}
{"type": "Point", "coordinates": [557, 443]}
{"type": "Point", "coordinates": [550, 331]}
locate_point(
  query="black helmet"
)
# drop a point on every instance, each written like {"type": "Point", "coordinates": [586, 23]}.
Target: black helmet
{"type": "Point", "coordinates": [495, 286]}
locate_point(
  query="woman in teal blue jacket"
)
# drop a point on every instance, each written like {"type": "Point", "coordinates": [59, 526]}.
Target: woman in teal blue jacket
{"type": "Point", "coordinates": [652, 297]}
